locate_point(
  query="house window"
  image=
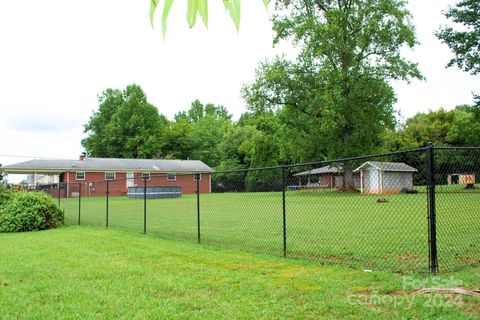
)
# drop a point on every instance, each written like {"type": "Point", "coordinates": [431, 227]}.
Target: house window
{"type": "Point", "coordinates": [171, 177]}
{"type": "Point", "coordinates": [146, 176]}
{"type": "Point", "coordinates": [80, 175]}
{"type": "Point", "coordinates": [199, 177]}
{"type": "Point", "coordinates": [109, 175]}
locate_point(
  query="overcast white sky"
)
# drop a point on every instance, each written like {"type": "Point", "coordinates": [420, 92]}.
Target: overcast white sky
{"type": "Point", "coordinates": [57, 55]}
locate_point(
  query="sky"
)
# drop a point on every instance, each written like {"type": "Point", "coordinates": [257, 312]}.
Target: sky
{"type": "Point", "coordinates": [57, 55]}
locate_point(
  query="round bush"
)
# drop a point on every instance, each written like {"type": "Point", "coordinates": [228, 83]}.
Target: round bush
{"type": "Point", "coordinates": [29, 211]}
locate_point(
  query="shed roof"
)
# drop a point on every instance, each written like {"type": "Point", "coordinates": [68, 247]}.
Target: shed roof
{"type": "Point", "coordinates": [108, 164]}
{"type": "Point", "coordinates": [388, 166]}
{"type": "Point", "coordinates": [322, 170]}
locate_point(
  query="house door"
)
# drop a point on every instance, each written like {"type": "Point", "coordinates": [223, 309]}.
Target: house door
{"type": "Point", "coordinates": [130, 179]}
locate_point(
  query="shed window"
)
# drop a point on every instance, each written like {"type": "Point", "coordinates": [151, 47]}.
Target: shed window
{"type": "Point", "coordinates": [199, 177]}
{"type": "Point", "coordinates": [146, 176]}
{"type": "Point", "coordinates": [109, 175]}
{"type": "Point", "coordinates": [171, 177]}
{"type": "Point", "coordinates": [80, 175]}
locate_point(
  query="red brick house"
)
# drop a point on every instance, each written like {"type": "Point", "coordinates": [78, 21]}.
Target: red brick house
{"type": "Point", "coordinates": [90, 175]}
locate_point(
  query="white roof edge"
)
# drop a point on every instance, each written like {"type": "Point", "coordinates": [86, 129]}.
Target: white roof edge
{"type": "Point", "coordinates": [366, 163]}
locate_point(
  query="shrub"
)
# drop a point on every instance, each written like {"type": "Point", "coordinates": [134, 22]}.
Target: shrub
{"type": "Point", "coordinates": [29, 211]}
{"type": "Point", "coordinates": [4, 196]}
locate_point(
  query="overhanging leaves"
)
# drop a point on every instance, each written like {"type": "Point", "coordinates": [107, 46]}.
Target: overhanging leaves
{"type": "Point", "coordinates": [195, 7]}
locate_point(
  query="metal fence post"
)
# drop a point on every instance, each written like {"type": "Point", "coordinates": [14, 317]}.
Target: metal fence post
{"type": "Point", "coordinates": [106, 208]}
{"type": "Point", "coordinates": [79, 201]}
{"type": "Point", "coordinates": [284, 213]}
{"type": "Point", "coordinates": [197, 176]}
{"type": "Point", "coordinates": [144, 206]}
{"type": "Point", "coordinates": [432, 226]}
{"type": "Point", "coordinates": [59, 194]}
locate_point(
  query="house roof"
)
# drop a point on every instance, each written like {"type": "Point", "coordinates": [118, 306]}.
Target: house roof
{"type": "Point", "coordinates": [322, 170]}
{"type": "Point", "coordinates": [388, 166]}
{"type": "Point", "coordinates": [107, 164]}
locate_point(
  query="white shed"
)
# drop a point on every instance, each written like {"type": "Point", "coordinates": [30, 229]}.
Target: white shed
{"type": "Point", "coordinates": [385, 177]}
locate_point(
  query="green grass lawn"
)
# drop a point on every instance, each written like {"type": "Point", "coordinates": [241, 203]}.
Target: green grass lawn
{"type": "Point", "coordinates": [332, 227]}
{"type": "Point", "coordinates": [93, 273]}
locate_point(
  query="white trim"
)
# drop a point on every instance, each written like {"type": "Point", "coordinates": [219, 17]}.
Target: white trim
{"type": "Point", "coordinates": [76, 175]}
{"type": "Point", "coordinates": [114, 175]}
{"type": "Point", "coordinates": [143, 179]}
{"type": "Point", "coordinates": [174, 176]}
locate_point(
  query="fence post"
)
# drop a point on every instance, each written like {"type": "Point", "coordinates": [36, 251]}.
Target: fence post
{"type": "Point", "coordinates": [284, 213]}
{"type": "Point", "coordinates": [197, 176]}
{"type": "Point", "coordinates": [432, 226]}
{"type": "Point", "coordinates": [79, 201]}
{"type": "Point", "coordinates": [59, 194]}
{"type": "Point", "coordinates": [144, 206]}
{"type": "Point", "coordinates": [106, 208]}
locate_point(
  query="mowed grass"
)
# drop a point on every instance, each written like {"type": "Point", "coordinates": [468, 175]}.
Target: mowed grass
{"type": "Point", "coordinates": [333, 227]}
{"type": "Point", "coordinates": [92, 273]}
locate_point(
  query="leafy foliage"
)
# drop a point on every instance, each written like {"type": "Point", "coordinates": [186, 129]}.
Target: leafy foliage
{"type": "Point", "coordinates": [338, 86]}
{"type": "Point", "coordinates": [457, 127]}
{"type": "Point", "coordinates": [336, 95]}
{"type": "Point", "coordinates": [29, 211]}
{"type": "Point", "coordinates": [126, 125]}
{"type": "Point", "coordinates": [197, 7]}
{"type": "Point", "coordinates": [465, 43]}
{"type": "Point", "coordinates": [5, 195]}
{"type": "Point", "coordinates": [1, 178]}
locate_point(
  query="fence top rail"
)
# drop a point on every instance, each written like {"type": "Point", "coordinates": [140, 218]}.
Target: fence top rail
{"type": "Point", "coordinates": [457, 148]}
{"type": "Point", "coordinates": [311, 163]}
{"type": "Point", "coordinates": [285, 166]}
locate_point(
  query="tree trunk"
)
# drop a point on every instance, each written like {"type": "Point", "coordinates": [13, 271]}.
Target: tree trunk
{"type": "Point", "coordinates": [348, 181]}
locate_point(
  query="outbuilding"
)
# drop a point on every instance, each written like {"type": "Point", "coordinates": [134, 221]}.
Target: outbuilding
{"type": "Point", "coordinates": [324, 177]}
{"type": "Point", "coordinates": [385, 177]}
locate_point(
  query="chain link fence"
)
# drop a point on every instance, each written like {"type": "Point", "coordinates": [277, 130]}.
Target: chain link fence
{"type": "Point", "coordinates": [415, 210]}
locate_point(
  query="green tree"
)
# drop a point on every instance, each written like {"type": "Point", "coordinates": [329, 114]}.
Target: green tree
{"type": "Point", "coordinates": [238, 145]}
{"type": "Point", "coordinates": [126, 125]}
{"type": "Point", "coordinates": [265, 155]}
{"type": "Point", "coordinates": [339, 83]}
{"type": "Point", "coordinates": [204, 127]}
{"type": "Point", "coordinates": [175, 143]}
{"type": "Point", "coordinates": [433, 126]}
{"type": "Point", "coordinates": [464, 43]}
{"type": "Point", "coordinates": [465, 128]}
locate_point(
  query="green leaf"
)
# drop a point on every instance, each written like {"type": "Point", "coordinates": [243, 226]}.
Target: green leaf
{"type": "Point", "coordinates": [166, 9]}
{"type": "Point", "coordinates": [153, 6]}
{"type": "Point", "coordinates": [233, 7]}
{"type": "Point", "coordinates": [266, 2]}
{"type": "Point", "coordinates": [192, 12]}
{"type": "Point", "coordinates": [203, 9]}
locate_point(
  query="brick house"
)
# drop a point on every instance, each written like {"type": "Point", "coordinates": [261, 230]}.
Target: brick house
{"type": "Point", "coordinates": [90, 175]}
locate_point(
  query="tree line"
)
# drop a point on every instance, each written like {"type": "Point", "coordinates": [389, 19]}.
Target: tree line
{"type": "Point", "coordinates": [126, 125]}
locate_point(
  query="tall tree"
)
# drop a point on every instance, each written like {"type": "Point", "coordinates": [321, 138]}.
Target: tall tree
{"type": "Point", "coordinates": [339, 83]}
{"type": "Point", "coordinates": [465, 43]}
{"type": "Point", "coordinates": [126, 125]}
{"type": "Point", "coordinates": [175, 135]}
{"type": "Point", "coordinates": [209, 126]}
